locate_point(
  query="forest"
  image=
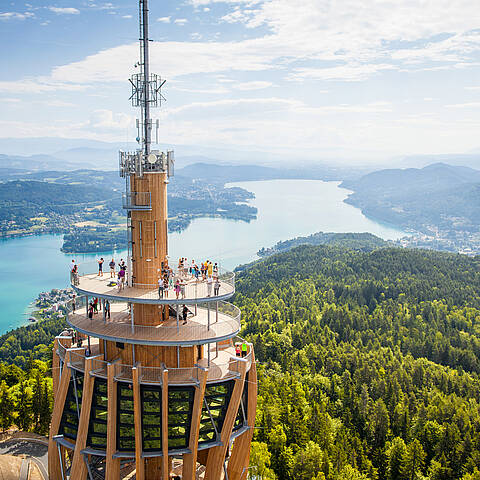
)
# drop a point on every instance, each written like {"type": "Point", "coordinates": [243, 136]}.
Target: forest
{"type": "Point", "coordinates": [368, 364]}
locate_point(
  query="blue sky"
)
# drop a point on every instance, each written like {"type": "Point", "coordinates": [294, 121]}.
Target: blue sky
{"type": "Point", "coordinates": [315, 79]}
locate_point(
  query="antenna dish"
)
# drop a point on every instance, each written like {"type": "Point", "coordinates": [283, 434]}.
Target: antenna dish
{"type": "Point", "coordinates": [152, 158]}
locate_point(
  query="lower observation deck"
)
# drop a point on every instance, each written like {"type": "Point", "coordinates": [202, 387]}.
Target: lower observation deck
{"type": "Point", "coordinates": [191, 290]}
{"type": "Point", "coordinates": [206, 323]}
{"type": "Point", "coordinates": [223, 365]}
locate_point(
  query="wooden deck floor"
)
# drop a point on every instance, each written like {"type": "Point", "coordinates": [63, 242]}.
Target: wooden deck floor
{"type": "Point", "coordinates": [196, 330]}
{"type": "Point", "coordinates": [194, 291]}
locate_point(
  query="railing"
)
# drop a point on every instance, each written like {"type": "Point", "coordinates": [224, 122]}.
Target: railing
{"type": "Point", "coordinates": [153, 375]}
{"type": "Point", "coordinates": [190, 287]}
{"type": "Point", "coordinates": [137, 201]}
{"type": "Point", "coordinates": [205, 321]}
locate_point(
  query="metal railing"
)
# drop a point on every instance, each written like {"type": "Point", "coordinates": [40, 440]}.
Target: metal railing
{"type": "Point", "coordinates": [190, 287]}
{"type": "Point", "coordinates": [137, 201]}
{"type": "Point", "coordinates": [153, 375]}
{"type": "Point", "coordinates": [205, 323]}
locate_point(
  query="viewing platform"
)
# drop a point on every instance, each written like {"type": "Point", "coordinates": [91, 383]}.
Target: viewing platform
{"type": "Point", "coordinates": [224, 365]}
{"type": "Point", "coordinates": [93, 285]}
{"type": "Point", "coordinates": [205, 324]}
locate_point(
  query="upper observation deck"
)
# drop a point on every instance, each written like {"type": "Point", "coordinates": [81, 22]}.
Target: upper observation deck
{"type": "Point", "coordinates": [191, 290]}
{"type": "Point", "coordinates": [206, 323]}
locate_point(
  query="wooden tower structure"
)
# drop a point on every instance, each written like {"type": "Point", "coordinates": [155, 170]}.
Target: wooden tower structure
{"type": "Point", "coordinates": [138, 390]}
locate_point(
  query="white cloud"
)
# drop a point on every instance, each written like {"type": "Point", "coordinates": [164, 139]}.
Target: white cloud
{"type": "Point", "coordinates": [126, 16]}
{"type": "Point", "coordinates": [64, 11]}
{"type": "Point", "coordinates": [180, 21]}
{"type": "Point", "coordinates": [464, 105]}
{"type": "Point", "coordinates": [164, 19]}
{"type": "Point", "coordinates": [254, 85]}
{"type": "Point", "coordinates": [15, 15]}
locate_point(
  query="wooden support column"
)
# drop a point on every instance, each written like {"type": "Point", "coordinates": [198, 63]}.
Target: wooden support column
{"type": "Point", "coordinates": [190, 459]}
{"type": "Point", "coordinates": [54, 470]}
{"type": "Point", "coordinates": [112, 464]}
{"type": "Point", "coordinates": [240, 458]}
{"type": "Point", "coordinates": [216, 455]}
{"type": "Point", "coordinates": [67, 343]}
{"type": "Point", "coordinates": [165, 465]}
{"type": "Point", "coordinates": [79, 467]}
{"type": "Point", "coordinates": [137, 409]}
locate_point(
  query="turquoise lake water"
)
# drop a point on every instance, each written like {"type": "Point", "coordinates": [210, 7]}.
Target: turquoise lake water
{"type": "Point", "coordinates": [286, 209]}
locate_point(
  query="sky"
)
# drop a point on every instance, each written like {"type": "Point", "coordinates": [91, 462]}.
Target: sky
{"type": "Point", "coordinates": [313, 79]}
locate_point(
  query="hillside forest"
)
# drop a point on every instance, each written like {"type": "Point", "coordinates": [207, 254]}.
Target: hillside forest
{"type": "Point", "coordinates": [368, 364]}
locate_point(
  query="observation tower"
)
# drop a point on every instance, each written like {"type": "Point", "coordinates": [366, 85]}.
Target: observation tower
{"type": "Point", "coordinates": [139, 393]}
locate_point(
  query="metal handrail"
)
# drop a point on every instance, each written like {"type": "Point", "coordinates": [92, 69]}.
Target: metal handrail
{"type": "Point", "coordinates": [137, 201]}
{"type": "Point", "coordinates": [205, 322]}
{"type": "Point", "coordinates": [153, 375]}
{"type": "Point", "coordinates": [193, 288]}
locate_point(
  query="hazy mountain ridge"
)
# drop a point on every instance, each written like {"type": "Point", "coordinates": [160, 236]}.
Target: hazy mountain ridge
{"type": "Point", "coordinates": [440, 200]}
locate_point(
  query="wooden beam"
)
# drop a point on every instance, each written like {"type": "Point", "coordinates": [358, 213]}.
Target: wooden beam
{"type": "Point", "coordinates": [240, 457]}
{"type": "Point", "coordinates": [79, 467]}
{"type": "Point", "coordinates": [216, 455]}
{"type": "Point", "coordinates": [54, 471]}
{"type": "Point", "coordinates": [112, 464]}
{"type": "Point", "coordinates": [190, 459]}
{"type": "Point", "coordinates": [165, 465]}
{"type": "Point", "coordinates": [137, 415]}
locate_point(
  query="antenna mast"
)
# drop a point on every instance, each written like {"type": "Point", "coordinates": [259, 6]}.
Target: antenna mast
{"type": "Point", "coordinates": [145, 72]}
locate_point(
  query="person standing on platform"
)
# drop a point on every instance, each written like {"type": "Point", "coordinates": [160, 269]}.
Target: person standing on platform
{"type": "Point", "coordinates": [184, 314]}
{"type": "Point", "coordinates": [121, 279]}
{"type": "Point", "coordinates": [209, 268]}
{"type": "Point", "coordinates": [209, 286]}
{"type": "Point", "coordinates": [182, 288]}
{"type": "Point", "coordinates": [74, 304]}
{"type": "Point", "coordinates": [244, 349]}
{"type": "Point", "coordinates": [237, 350]}
{"type": "Point", "coordinates": [216, 286]}
{"type": "Point", "coordinates": [100, 267]}
{"type": "Point", "coordinates": [160, 287]}
{"type": "Point", "coordinates": [177, 288]}
{"type": "Point", "coordinates": [112, 268]}
{"type": "Point", "coordinates": [107, 309]}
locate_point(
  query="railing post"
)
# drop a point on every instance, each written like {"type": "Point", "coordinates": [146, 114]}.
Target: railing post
{"type": "Point", "coordinates": [216, 311]}
{"type": "Point", "coordinates": [208, 315]}
{"type": "Point", "coordinates": [178, 325]}
{"type": "Point", "coordinates": [86, 305]}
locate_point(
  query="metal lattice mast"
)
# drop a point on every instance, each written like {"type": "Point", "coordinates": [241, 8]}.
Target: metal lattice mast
{"type": "Point", "coordinates": [145, 70]}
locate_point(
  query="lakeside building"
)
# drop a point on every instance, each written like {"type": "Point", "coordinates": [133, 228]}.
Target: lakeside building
{"type": "Point", "coordinates": [143, 394]}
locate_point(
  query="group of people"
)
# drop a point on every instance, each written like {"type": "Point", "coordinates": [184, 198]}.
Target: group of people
{"type": "Point", "coordinates": [168, 280]}
{"type": "Point", "coordinates": [121, 276]}
{"type": "Point", "coordinates": [95, 306]}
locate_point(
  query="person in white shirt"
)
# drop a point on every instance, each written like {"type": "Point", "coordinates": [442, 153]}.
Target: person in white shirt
{"type": "Point", "coordinates": [160, 287]}
{"type": "Point", "coordinates": [209, 286]}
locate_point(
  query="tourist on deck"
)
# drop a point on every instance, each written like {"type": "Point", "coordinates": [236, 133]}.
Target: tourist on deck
{"type": "Point", "coordinates": [209, 286]}
{"type": "Point", "coordinates": [216, 286]}
{"type": "Point", "coordinates": [112, 268]}
{"type": "Point", "coordinates": [237, 350]}
{"type": "Point", "coordinates": [90, 310]}
{"type": "Point", "coordinates": [184, 314]}
{"type": "Point", "coordinates": [74, 298]}
{"type": "Point", "coordinates": [121, 279]}
{"type": "Point", "coordinates": [185, 268]}
{"type": "Point", "coordinates": [170, 281]}
{"type": "Point", "coordinates": [215, 269]}
{"type": "Point", "coordinates": [100, 267]}
{"type": "Point", "coordinates": [192, 268]}
{"type": "Point", "coordinates": [244, 349]}
{"type": "Point", "coordinates": [177, 288]}
{"type": "Point", "coordinates": [209, 268]}
{"type": "Point", "coordinates": [107, 309]}
{"type": "Point", "coordinates": [196, 272]}
{"type": "Point", "coordinates": [182, 289]}
{"type": "Point", "coordinates": [95, 305]}
{"type": "Point", "coordinates": [160, 287]}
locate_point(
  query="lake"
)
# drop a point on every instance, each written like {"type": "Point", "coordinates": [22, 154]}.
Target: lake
{"type": "Point", "coordinates": [286, 209]}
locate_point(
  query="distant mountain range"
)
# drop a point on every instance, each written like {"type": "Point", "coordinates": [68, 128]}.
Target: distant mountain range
{"type": "Point", "coordinates": [441, 196]}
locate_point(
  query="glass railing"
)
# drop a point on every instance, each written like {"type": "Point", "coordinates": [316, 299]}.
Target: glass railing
{"type": "Point", "coordinates": [189, 287]}
{"type": "Point", "coordinates": [137, 201]}
{"type": "Point", "coordinates": [205, 321]}
{"type": "Point", "coordinates": [217, 371]}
